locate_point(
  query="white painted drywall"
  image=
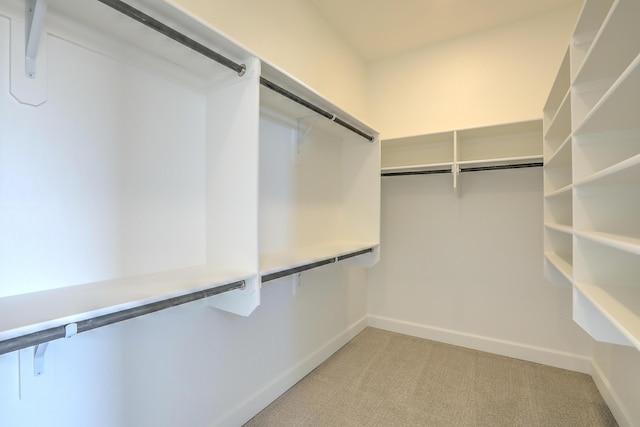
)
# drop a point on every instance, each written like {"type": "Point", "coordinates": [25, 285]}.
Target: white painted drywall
{"type": "Point", "coordinates": [291, 35]}
{"type": "Point", "coordinates": [496, 76]}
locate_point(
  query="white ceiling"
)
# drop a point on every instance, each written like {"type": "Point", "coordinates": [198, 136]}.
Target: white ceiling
{"type": "Point", "coordinates": [382, 28]}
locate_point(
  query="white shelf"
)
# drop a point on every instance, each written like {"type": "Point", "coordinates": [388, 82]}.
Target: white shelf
{"type": "Point", "coordinates": [271, 263]}
{"type": "Point", "coordinates": [504, 145]}
{"type": "Point", "coordinates": [621, 174]}
{"type": "Point", "coordinates": [560, 264]}
{"type": "Point", "coordinates": [620, 306]}
{"type": "Point", "coordinates": [591, 18]}
{"type": "Point", "coordinates": [561, 192]}
{"type": "Point", "coordinates": [418, 152]}
{"type": "Point", "coordinates": [418, 168]}
{"type": "Point", "coordinates": [628, 242]}
{"type": "Point", "coordinates": [34, 312]}
{"type": "Point", "coordinates": [559, 93]}
{"type": "Point", "coordinates": [615, 46]}
{"type": "Point", "coordinates": [561, 157]}
{"type": "Point", "coordinates": [510, 140]}
{"type": "Point", "coordinates": [559, 227]}
{"type": "Point", "coordinates": [596, 152]}
{"type": "Point", "coordinates": [517, 160]}
{"type": "Point", "coordinates": [618, 108]}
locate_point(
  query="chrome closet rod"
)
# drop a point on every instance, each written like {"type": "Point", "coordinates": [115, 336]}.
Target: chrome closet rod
{"type": "Point", "coordinates": [305, 267]}
{"type": "Point", "coordinates": [154, 24]}
{"type": "Point", "coordinates": [295, 98]}
{"type": "Point", "coordinates": [469, 169]}
{"type": "Point", "coordinates": [47, 335]}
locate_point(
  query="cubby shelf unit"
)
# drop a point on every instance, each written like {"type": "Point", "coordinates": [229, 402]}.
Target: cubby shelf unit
{"type": "Point", "coordinates": [490, 147]}
{"type": "Point", "coordinates": [604, 160]}
{"type": "Point", "coordinates": [133, 174]}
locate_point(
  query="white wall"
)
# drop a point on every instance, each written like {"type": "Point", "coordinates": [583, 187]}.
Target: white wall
{"type": "Point", "coordinates": [291, 35]}
{"type": "Point", "coordinates": [467, 269]}
{"type": "Point", "coordinates": [617, 374]}
{"type": "Point", "coordinates": [496, 76]}
{"type": "Point", "coordinates": [197, 366]}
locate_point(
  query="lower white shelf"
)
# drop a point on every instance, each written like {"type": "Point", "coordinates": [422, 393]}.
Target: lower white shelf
{"type": "Point", "coordinates": [37, 312]}
{"type": "Point", "coordinates": [618, 306]}
{"type": "Point", "coordinates": [280, 264]}
{"type": "Point", "coordinates": [560, 264]}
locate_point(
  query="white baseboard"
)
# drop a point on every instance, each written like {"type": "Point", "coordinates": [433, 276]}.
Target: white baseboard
{"type": "Point", "coordinates": [257, 401]}
{"type": "Point", "coordinates": [609, 395]}
{"type": "Point", "coordinates": [545, 356]}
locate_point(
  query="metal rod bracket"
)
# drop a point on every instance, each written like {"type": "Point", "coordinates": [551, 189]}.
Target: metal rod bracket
{"type": "Point", "coordinates": [38, 358]}
{"type": "Point", "coordinates": [35, 13]}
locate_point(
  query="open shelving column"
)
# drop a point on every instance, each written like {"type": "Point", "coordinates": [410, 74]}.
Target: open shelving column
{"type": "Point", "coordinates": [605, 171]}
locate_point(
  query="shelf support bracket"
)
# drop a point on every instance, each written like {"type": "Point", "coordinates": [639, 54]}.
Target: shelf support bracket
{"type": "Point", "coordinates": [35, 12]}
{"type": "Point", "coordinates": [28, 47]}
{"type": "Point", "coordinates": [38, 358]}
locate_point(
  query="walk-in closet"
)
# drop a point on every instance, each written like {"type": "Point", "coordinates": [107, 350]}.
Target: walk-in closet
{"type": "Point", "coordinates": [319, 212]}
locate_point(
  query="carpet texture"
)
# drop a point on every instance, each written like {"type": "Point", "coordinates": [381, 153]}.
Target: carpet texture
{"type": "Point", "coordinates": [382, 378]}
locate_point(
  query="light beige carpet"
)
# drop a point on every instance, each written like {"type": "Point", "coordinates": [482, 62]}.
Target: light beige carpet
{"type": "Point", "coordinates": [382, 378]}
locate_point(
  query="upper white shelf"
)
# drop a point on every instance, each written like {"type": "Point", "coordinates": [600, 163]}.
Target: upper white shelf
{"type": "Point", "coordinates": [559, 227]}
{"type": "Point", "coordinates": [587, 27]}
{"type": "Point", "coordinates": [618, 108]}
{"type": "Point", "coordinates": [619, 305]}
{"type": "Point", "coordinates": [510, 144]}
{"type": "Point", "coordinates": [615, 46]}
{"type": "Point", "coordinates": [561, 157]}
{"type": "Point", "coordinates": [559, 92]}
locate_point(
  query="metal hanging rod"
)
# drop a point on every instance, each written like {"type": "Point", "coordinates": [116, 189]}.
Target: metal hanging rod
{"type": "Point", "coordinates": [300, 269]}
{"type": "Point", "coordinates": [158, 26]}
{"type": "Point", "coordinates": [295, 98]}
{"type": "Point", "coordinates": [47, 335]}
{"type": "Point", "coordinates": [468, 169]}
{"type": "Point", "coordinates": [500, 167]}
{"type": "Point", "coordinates": [425, 172]}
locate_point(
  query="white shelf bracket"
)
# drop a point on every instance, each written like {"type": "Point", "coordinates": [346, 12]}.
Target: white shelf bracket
{"type": "Point", "coordinates": [28, 47]}
{"type": "Point", "coordinates": [35, 13]}
{"type": "Point", "coordinates": [303, 131]}
{"type": "Point", "coordinates": [40, 350]}
{"type": "Point", "coordinates": [295, 283]}
{"type": "Point", "coordinates": [38, 358]}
